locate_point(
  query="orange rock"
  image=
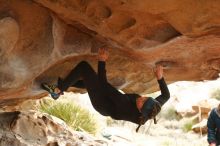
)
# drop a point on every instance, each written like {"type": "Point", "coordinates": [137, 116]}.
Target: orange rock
{"type": "Point", "coordinates": [41, 40]}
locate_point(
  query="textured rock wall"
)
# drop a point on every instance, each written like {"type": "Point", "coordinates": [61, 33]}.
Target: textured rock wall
{"type": "Point", "coordinates": [43, 39]}
{"type": "Point", "coordinates": [36, 129]}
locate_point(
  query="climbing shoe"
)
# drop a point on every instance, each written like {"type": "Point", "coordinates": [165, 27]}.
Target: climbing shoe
{"type": "Point", "coordinates": [51, 90]}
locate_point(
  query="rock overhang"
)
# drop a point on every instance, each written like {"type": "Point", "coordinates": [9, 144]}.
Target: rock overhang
{"type": "Point", "coordinates": [43, 39]}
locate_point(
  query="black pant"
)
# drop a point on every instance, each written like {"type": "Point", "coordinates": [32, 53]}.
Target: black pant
{"type": "Point", "coordinates": [96, 87]}
{"type": "Point", "coordinates": [106, 99]}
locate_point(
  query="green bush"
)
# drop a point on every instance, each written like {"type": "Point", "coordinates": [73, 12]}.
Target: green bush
{"type": "Point", "coordinates": [75, 116]}
{"type": "Point", "coordinates": [170, 114]}
{"type": "Point", "coordinates": [187, 126]}
{"type": "Point", "coordinates": [216, 94]}
{"type": "Point", "coordinates": [112, 122]}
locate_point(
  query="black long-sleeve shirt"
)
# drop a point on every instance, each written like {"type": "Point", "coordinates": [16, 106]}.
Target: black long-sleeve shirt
{"type": "Point", "coordinates": [213, 125]}
{"type": "Point", "coordinates": [125, 104]}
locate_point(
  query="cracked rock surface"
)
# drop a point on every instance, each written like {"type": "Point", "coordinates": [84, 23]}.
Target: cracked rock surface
{"type": "Point", "coordinates": [37, 129]}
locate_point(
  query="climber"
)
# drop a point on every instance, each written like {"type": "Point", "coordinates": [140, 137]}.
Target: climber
{"type": "Point", "coordinates": [106, 99]}
{"type": "Point", "coordinates": [213, 125]}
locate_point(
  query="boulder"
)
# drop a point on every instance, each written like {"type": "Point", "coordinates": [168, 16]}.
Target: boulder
{"type": "Point", "coordinates": [37, 129]}
{"type": "Point", "coordinates": [200, 127]}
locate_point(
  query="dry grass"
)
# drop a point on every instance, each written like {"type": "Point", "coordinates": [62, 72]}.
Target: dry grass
{"type": "Point", "coordinates": [75, 116]}
{"type": "Point", "coordinates": [165, 133]}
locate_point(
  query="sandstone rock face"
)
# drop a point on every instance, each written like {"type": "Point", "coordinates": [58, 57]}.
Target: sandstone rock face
{"type": "Point", "coordinates": [199, 114]}
{"type": "Point", "coordinates": [36, 129]}
{"type": "Point", "coordinates": [201, 127]}
{"type": "Point", "coordinates": [43, 39]}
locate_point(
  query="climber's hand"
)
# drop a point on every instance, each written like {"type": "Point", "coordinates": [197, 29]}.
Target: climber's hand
{"type": "Point", "coordinates": [158, 71]}
{"type": "Point", "coordinates": [102, 54]}
{"type": "Point", "coordinates": [212, 144]}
